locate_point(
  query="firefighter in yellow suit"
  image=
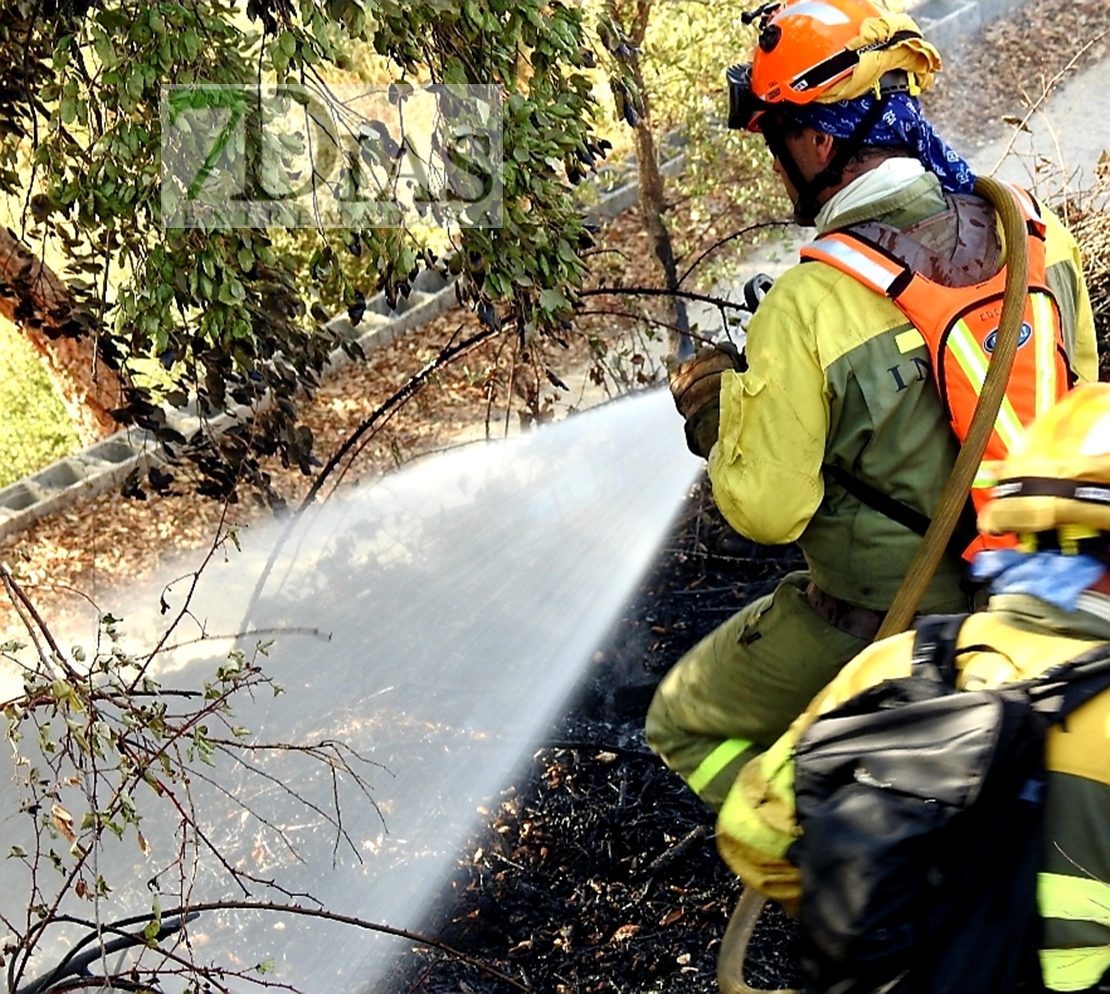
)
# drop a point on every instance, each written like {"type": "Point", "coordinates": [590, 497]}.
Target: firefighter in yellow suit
{"type": "Point", "coordinates": [835, 384]}
{"type": "Point", "coordinates": [1050, 601]}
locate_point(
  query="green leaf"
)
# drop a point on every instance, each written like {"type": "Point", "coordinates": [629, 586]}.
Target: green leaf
{"type": "Point", "coordinates": [454, 71]}
{"type": "Point", "coordinates": [105, 50]}
{"type": "Point", "coordinates": [154, 926]}
{"type": "Point", "coordinates": [135, 84]}
{"type": "Point", "coordinates": [553, 301]}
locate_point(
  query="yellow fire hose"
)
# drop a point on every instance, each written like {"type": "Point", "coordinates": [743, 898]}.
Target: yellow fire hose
{"type": "Point", "coordinates": [734, 945]}
{"type": "Point", "coordinates": [955, 492]}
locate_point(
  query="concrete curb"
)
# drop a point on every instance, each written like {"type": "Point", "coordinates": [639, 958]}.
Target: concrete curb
{"type": "Point", "coordinates": [107, 463]}
{"type": "Point", "coordinates": [945, 22]}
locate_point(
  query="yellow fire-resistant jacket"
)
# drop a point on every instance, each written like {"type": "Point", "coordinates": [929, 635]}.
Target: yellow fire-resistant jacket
{"type": "Point", "coordinates": [837, 375]}
{"type": "Point", "coordinates": [756, 823]}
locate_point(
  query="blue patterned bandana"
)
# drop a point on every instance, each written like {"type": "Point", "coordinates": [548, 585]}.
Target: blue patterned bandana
{"type": "Point", "coordinates": [902, 123]}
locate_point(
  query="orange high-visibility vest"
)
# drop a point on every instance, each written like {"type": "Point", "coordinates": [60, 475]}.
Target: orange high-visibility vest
{"type": "Point", "coordinates": [960, 327]}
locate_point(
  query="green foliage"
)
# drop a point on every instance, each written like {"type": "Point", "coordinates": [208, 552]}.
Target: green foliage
{"type": "Point", "coordinates": [687, 49]}
{"type": "Point", "coordinates": [228, 315]}
{"type": "Point", "coordinates": [687, 46]}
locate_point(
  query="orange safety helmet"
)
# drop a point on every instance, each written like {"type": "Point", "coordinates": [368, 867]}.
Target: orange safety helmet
{"type": "Point", "coordinates": [825, 50]}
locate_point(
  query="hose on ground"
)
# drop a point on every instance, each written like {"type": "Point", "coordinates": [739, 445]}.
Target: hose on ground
{"type": "Point", "coordinates": [734, 946]}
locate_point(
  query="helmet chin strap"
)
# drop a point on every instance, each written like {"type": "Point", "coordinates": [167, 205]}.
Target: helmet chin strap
{"type": "Point", "coordinates": [807, 206]}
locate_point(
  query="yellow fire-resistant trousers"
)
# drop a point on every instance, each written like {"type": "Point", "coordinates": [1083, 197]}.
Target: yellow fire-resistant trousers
{"type": "Point", "coordinates": [740, 687]}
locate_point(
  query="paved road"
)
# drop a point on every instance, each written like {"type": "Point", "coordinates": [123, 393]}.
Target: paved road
{"type": "Point", "coordinates": [1065, 140]}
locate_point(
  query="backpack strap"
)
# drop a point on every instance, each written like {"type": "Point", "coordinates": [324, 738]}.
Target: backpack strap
{"type": "Point", "coordinates": [1053, 695]}
{"type": "Point", "coordinates": [1063, 688]}
{"type": "Point", "coordinates": [1034, 220]}
{"type": "Point", "coordinates": [872, 265]}
{"type": "Point", "coordinates": [934, 647]}
{"type": "Point", "coordinates": [893, 508]}
{"type": "Point", "coordinates": [965, 531]}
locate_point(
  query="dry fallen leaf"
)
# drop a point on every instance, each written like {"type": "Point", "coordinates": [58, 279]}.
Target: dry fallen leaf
{"type": "Point", "coordinates": [625, 932]}
{"type": "Point", "coordinates": [63, 822]}
{"type": "Point", "coordinates": [1014, 121]}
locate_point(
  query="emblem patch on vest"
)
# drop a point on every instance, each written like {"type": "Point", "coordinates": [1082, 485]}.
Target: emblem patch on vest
{"type": "Point", "coordinates": [1023, 337]}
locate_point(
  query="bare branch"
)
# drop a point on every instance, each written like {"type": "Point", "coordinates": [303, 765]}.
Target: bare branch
{"type": "Point", "coordinates": [446, 355]}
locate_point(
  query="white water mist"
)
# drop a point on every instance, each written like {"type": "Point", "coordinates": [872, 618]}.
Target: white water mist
{"type": "Point", "coordinates": [457, 604]}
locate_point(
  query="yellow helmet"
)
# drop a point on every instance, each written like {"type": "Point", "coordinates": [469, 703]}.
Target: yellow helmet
{"type": "Point", "coordinates": [1058, 477]}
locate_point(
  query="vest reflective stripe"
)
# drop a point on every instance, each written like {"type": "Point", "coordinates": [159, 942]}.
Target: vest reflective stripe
{"type": "Point", "coordinates": [710, 767]}
{"type": "Point", "coordinates": [1074, 899]}
{"type": "Point", "coordinates": [974, 364]}
{"type": "Point", "coordinates": [869, 268]}
{"type": "Point", "coordinates": [1047, 386]}
{"type": "Point", "coordinates": [986, 476]}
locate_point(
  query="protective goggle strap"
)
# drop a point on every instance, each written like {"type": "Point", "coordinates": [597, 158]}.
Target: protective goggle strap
{"type": "Point", "coordinates": [807, 205]}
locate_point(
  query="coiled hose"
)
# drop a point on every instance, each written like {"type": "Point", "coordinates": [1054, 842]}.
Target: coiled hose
{"type": "Point", "coordinates": [734, 945]}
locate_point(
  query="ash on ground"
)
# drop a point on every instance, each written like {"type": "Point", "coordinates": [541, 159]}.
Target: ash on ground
{"type": "Point", "coordinates": [596, 870]}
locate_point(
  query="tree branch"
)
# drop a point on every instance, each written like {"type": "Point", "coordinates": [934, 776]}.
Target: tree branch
{"type": "Point", "coordinates": [39, 303]}
{"type": "Point", "coordinates": [446, 355]}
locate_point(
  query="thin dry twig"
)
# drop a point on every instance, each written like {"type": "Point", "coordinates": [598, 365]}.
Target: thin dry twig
{"type": "Point", "coordinates": [300, 911]}
{"type": "Point", "coordinates": [1048, 89]}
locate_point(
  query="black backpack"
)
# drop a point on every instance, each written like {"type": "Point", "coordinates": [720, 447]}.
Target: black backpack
{"type": "Point", "coordinates": [920, 807]}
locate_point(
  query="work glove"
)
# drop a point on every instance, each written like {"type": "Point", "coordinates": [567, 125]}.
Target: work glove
{"type": "Point", "coordinates": [696, 388]}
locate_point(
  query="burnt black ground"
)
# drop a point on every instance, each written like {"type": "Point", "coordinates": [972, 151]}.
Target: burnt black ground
{"type": "Point", "coordinates": [597, 872]}
{"type": "Point", "coordinates": [596, 869]}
